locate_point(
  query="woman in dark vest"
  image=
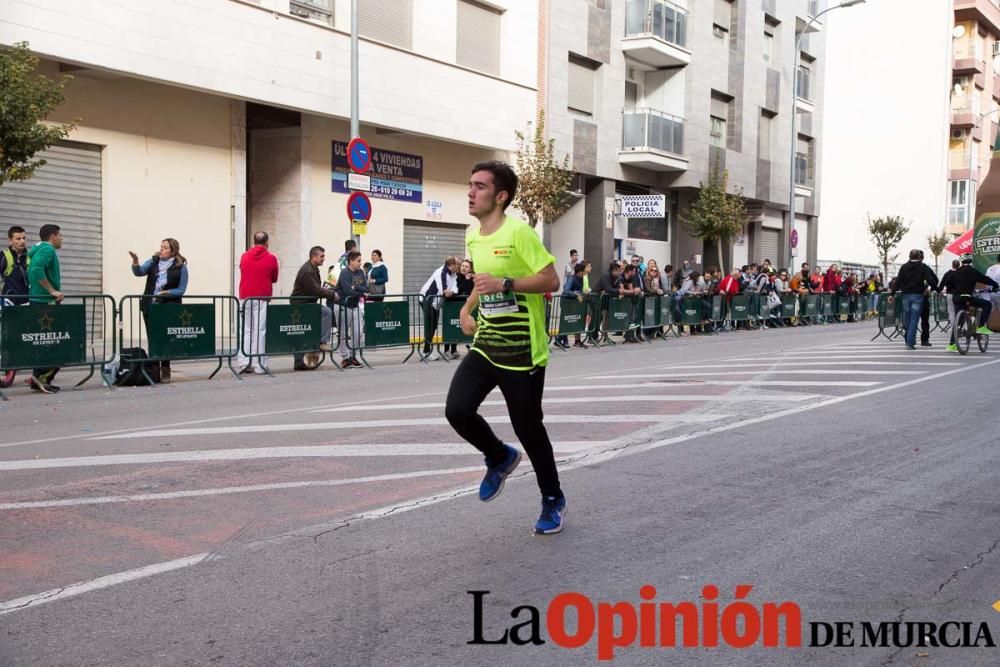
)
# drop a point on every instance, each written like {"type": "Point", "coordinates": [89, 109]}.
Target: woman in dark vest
{"type": "Point", "coordinates": [166, 281]}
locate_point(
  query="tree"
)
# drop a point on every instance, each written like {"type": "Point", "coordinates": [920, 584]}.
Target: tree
{"type": "Point", "coordinates": [937, 242]}
{"type": "Point", "coordinates": [886, 233]}
{"type": "Point", "coordinates": [716, 215]}
{"type": "Point", "coordinates": [26, 98]}
{"type": "Point", "coordinates": [542, 180]}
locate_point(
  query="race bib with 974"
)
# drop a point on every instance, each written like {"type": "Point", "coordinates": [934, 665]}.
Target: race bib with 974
{"type": "Point", "coordinates": [501, 303]}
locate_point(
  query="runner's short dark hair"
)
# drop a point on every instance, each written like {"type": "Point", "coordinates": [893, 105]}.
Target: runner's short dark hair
{"type": "Point", "coordinates": [504, 178]}
{"type": "Point", "coordinates": [15, 229]}
{"type": "Point", "coordinates": [353, 255]}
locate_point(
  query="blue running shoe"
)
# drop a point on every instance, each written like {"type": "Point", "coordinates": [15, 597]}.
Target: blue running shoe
{"type": "Point", "coordinates": [493, 482]}
{"type": "Point", "coordinates": [551, 519]}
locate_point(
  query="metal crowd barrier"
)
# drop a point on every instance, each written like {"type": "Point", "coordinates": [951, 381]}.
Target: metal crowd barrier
{"type": "Point", "coordinates": [281, 325]}
{"type": "Point", "coordinates": [200, 327]}
{"type": "Point", "coordinates": [78, 332]}
{"type": "Point", "coordinates": [393, 321]}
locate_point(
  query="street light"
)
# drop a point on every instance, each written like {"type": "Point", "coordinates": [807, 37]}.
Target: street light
{"type": "Point", "coordinates": [790, 223]}
{"type": "Point", "coordinates": [971, 202]}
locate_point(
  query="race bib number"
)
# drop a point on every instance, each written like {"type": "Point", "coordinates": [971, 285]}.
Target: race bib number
{"type": "Point", "coordinates": [501, 303]}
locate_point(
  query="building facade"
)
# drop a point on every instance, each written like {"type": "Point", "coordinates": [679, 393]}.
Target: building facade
{"type": "Point", "coordinates": [975, 112]}
{"type": "Point", "coordinates": [650, 96]}
{"type": "Point", "coordinates": [207, 120]}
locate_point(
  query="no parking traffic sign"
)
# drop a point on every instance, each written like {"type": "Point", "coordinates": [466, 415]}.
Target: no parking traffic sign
{"type": "Point", "coordinates": [359, 155]}
{"type": "Point", "coordinates": [359, 207]}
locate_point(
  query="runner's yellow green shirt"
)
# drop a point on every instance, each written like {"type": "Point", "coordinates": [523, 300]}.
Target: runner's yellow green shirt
{"type": "Point", "coordinates": [514, 336]}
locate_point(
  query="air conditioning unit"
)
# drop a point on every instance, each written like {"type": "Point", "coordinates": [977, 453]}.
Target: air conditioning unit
{"type": "Point", "coordinates": [958, 134]}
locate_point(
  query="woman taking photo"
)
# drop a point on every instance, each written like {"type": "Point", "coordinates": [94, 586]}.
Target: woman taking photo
{"type": "Point", "coordinates": [166, 281]}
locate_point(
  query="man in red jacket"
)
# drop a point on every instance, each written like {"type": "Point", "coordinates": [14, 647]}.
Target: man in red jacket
{"type": "Point", "coordinates": [258, 273]}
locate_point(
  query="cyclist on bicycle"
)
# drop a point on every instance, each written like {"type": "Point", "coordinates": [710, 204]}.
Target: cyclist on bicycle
{"type": "Point", "coordinates": [964, 283]}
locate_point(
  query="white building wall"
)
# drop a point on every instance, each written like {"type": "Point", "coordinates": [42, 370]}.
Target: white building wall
{"type": "Point", "coordinates": [888, 73]}
{"type": "Point", "coordinates": [248, 51]}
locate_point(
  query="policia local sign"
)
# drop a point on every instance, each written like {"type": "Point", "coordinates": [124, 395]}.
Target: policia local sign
{"type": "Point", "coordinates": [644, 206]}
{"type": "Point", "coordinates": [42, 335]}
{"type": "Point", "coordinates": [179, 331]}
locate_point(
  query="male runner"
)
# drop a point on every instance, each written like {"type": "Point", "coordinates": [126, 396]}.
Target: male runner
{"type": "Point", "coordinates": [510, 349]}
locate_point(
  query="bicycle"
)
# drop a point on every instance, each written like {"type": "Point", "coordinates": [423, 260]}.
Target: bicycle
{"type": "Point", "coordinates": [966, 325]}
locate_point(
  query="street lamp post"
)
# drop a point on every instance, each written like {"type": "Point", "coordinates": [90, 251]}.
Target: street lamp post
{"type": "Point", "coordinates": [790, 223]}
{"type": "Point", "coordinates": [970, 203]}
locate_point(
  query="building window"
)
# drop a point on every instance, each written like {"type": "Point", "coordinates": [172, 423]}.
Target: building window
{"type": "Point", "coordinates": [390, 22]}
{"type": "Point", "coordinates": [805, 162]}
{"type": "Point", "coordinates": [582, 76]}
{"type": "Point", "coordinates": [768, 46]}
{"type": "Point", "coordinates": [314, 10]}
{"type": "Point", "coordinates": [722, 120]}
{"type": "Point", "coordinates": [478, 37]}
{"type": "Point", "coordinates": [958, 203]}
{"type": "Point", "coordinates": [764, 135]}
{"type": "Point", "coordinates": [717, 132]}
{"type": "Point", "coordinates": [803, 82]}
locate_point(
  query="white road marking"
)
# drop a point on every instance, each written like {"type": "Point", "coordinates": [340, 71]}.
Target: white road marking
{"type": "Point", "coordinates": [849, 355]}
{"type": "Point", "coordinates": [30, 601]}
{"type": "Point", "coordinates": [422, 421]}
{"type": "Point", "coordinates": [226, 490]}
{"type": "Point", "coordinates": [663, 398]}
{"type": "Point", "coordinates": [254, 453]}
{"type": "Point", "coordinates": [791, 385]}
{"type": "Point", "coordinates": [807, 371]}
{"type": "Point", "coordinates": [810, 362]}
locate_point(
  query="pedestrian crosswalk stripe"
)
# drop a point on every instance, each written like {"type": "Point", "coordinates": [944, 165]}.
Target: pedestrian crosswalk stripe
{"type": "Point", "coordinates": [422, 421]}
{"type": "Point", "coordinates": [457, 448]}
{"type": "Point", "coordinates": [600, 398]}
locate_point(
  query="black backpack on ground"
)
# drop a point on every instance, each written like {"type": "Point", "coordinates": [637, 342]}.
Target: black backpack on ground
{"type": "Point", "coordinates": [130, 368]}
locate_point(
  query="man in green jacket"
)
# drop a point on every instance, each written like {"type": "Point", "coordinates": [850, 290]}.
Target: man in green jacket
{"type": "Point", "coordinates": [44, 285]}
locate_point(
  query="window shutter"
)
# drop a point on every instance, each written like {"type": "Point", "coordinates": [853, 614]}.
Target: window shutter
{"type": "Point", "coordinates": [389, 21]}
{"type": "Point", "coordinates": [581, 87]}
{"type": "Point", "coordinates": [478, 37]}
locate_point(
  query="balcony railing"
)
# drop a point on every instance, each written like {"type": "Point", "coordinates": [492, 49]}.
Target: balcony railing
{"type": "Point", "coordinates": [802, 171]}
{"type": "Point", "coordinates": [658, 18]}
{"type": "Point", "coordinates": [652, 130]}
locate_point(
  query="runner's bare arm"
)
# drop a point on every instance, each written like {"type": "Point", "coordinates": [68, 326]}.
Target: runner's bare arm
{"type": "Point", "coordinates": [467, 322]}
{"type": "Point", "coordinates": [546, 280]}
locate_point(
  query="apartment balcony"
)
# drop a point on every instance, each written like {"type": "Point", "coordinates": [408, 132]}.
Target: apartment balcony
{"type": "Point", "coordinates": [656, 34]}
{"type": "Point", "coordinates": [980, 11]}
{"type": "Point", "coordinates": [652, 140]}
{"type": "Point", "coordinates": [968, 65]}
{"type": "Point", "coordinates": [962, 119]}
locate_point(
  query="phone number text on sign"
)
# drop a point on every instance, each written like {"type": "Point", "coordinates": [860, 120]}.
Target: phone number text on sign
{"type": "Point", "coordinates": [394, 176]}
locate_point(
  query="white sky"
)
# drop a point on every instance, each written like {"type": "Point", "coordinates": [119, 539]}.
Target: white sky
{"type": "Point", "coordinates": [885, 133]}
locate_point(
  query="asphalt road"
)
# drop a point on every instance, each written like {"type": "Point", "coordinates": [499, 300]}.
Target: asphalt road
{"type": "Point", "coordinates": [328, 518]}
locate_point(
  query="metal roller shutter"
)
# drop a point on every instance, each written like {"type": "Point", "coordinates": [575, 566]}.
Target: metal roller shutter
{"type": "Point", "coordinates": [66, 191]}
{"type": "Point", "coordinates": [769, 245]}
{"type": "Point", "coordinates": [478, 37]}
{"type": "Point", "coordinates": [425, 246]}
{"type": "Point", "coordinates": [390, 22]}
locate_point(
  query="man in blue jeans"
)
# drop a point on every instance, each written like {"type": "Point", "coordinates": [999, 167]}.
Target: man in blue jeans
{"type": "Point", "coordinates": [914, 280]}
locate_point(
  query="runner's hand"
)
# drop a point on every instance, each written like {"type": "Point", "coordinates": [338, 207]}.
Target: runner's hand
{"type": "Point", "coordinates": [487, 284]}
